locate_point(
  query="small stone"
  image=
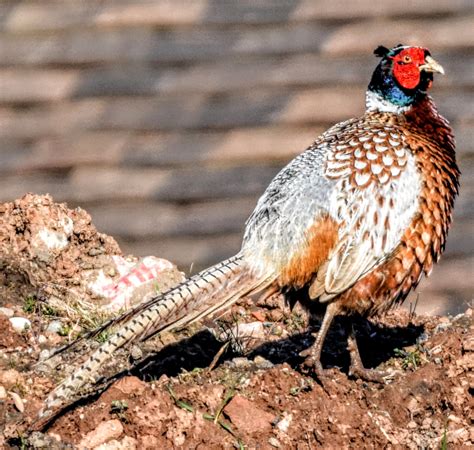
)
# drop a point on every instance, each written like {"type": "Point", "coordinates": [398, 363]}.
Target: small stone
{"type": "Point", "coordinates": [6, 312]}
{"type": "Point", "coordinates": [253, 330]}
{"type": "Point", "coordinates": [248, 417]}
{"type": "Point", "coordinates": [20, 324]}
{"type": "Point", "coordinates": [44, 354]}
{"type": "Point", "coordinates": [9, 378]}
{"type": "Point", "coordinates": [284, 423]}
{"type": "Point", "coordinates": [17, 401]}
{"type": "Point", "coordinates": [40, 440]}
{"type": "Point", "coordinates": [42, 339]}
{"type": "Point", "coordinates": [412, 425]}
{"type": "Point", "coordinates": [442, 327]}
{"type": "Point", "coordinates": [468, 344]}
{"type": "Point", "coordinates": [413, 405]}
{"type": "Point", "coordinates": [127, 443]}
{"type": "Point", "coordinates": [105, 432]}
{"type": "Point", "coordinates": [275, 315]}
{"type": "Point", "coordinates": [53, 339]}
{"type": "Point", "coordinates": [426, 424]}
{"type": "Point", "coordinates": [259, 316]}
{"type": "Point", "coordinates": [130, 385]}
{"type": "Point", "coordinates": [55, 436]}
{"type": "Point", "coordinates": [54, 327]}
{"type": "Point", "coordinates": [262, 363]}
{"type": "Point", "coordinates": [240, 363]}
{"type": "Point", "coordinates": [453, 418]}
{"type": "Point", "coordinates": [136, 353]}
{"type": "Point", "coordinates": [110, 271]}
{"type": "Point", "coordinates": [240, 311]}
{"type": "Point", "coordinates": [274, 442]}
{"type": "Point", "coordinates": [279, 331]}
{"type": "Point", "coordinates": [3, 393]}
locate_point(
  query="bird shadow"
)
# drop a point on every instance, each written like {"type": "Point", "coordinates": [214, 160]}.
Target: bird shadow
{"type": "Point", "coordinates": [377, 344]}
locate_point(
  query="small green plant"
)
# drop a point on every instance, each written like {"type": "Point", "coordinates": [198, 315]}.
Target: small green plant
{"type": "Point", "coordinates": [103, 336]}
{"type": "Point", "coordinates": [177, 401]}
{"type": "Point", "coordinates": [119, 408]}
{"type": "Point", "coordinates": [23, 443]}
{"type": "Point", "coordinates": [410, 359]}
{"type": "Point", "coordinates": [444, 440]}
{"type": "Point", "coordinates": [29, 305]}
{"type": "Point", "coordinates": [65, 330]}
{"type": "Point", "coordinates": [19, 389]}
{"type": "Point", "coordinates": [295, 322]}
{"type": "Point", "coordinates": [189, 375]}
{"type": "Point", "coordinates": [32, 305]}
{"type": "Point", "coordinates": [305, 386]}
{"type": "Point", "coordinates": [156, 287]}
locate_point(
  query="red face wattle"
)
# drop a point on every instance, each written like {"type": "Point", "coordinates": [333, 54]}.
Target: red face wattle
{"type": "Point", "coordinates": [406, 66]}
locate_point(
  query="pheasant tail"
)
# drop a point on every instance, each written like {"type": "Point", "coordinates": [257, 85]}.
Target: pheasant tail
{"type": "Point", "coordinates": [202, 295]}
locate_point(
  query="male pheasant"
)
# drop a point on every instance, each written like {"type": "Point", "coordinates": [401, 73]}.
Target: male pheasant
{"type": "Point", "coordinates": [353, 222]}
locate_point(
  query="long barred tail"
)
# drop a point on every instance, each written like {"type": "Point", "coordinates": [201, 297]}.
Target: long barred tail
{"type": "Point", "coordinates": [202, 295]}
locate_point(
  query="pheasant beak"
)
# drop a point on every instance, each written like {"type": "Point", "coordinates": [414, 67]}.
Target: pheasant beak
{"type": "Point", "coordinates": [431, 65]}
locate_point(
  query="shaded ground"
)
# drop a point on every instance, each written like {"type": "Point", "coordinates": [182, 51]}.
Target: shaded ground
{"type": "Point", "coordinates": [190, 390]}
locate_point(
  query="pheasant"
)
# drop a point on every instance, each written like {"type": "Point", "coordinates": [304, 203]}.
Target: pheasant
{"type": "Point", "coordinates": [351, 223]}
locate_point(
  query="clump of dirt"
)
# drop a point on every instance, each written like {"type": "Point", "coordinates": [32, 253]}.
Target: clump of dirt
{"type": "Point", "coordinates": [41, 240]}
{"type": "Point", "coordinates": [190, 390]}
{"type": "Point", "coordinates": [9, 339]}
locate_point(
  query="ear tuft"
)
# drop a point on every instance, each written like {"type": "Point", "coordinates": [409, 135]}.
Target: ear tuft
{"type": "Point", "coordinates": [381, 51]}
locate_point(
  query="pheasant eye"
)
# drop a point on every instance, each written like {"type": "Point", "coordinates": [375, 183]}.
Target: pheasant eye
{"type": "Point", "coordinates": [407, 59]}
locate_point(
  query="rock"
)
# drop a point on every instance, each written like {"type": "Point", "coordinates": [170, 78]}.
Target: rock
{"type": "Point", "coordinates": [127, 443]}
{"type": "Point", "coordinates": [468, 344]}
{"type": "Point", "coordinates": [40, 440]}
{"type": "Point", "coordinates": [262, 363]}
{"type": "Point", "coordinates": [274, 442]}
{"type": "Point", "coordinates": [9, 378]}
{"type": "Point", "coordinates": [42, 339]}
{"type": "Point", "coordinates": [240, 362]}
{"type": "Point", "coordinates": [6, 312]}
{"type": "Point", "coordinates": [44, 354]}
{"type": "Point", "coordinates": [53, 339]}
{"type": "Point", "coordinates": [284, 423]}
{"type": "Point", "coordinates": [275, 315]}
{"type": "Point", "coordinates": [105, 432]}
{"type": "Point", "coordinates": [54, 326]}
{"type": "Point", "coordinates": [130, 385]}
{"type": "Point", "coordinates": [20, 324]}
{"type": "Point", "coordinates": [248, 417]}
{"type": "Point", "coordinates": [136, 353]}
{"type": "Point", "coordinates": [259, 316]}
{"type": "Point", "coordinates": [17, 401]}
{"type": "Point", "coordinates": [3, 393]}
{"type": "Point", "coordinates": [254, 330]}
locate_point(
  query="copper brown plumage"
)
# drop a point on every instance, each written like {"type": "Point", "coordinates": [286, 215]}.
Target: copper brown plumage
{"type": "Point", "coordinates": [353, 222]}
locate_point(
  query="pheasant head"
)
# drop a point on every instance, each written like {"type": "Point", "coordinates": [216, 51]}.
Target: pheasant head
{"type": "Point", "coordinates": [401, 79]}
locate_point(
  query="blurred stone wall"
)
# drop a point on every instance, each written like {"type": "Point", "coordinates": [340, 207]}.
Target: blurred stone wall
{"type": "Point", "coordinates": [167, 119]}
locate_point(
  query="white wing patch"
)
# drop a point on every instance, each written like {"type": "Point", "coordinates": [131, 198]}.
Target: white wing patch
{"type": "Point", "coordinates": [375, 218]}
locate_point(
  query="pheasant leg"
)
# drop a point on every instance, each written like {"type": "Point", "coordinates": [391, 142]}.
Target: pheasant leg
{"type": "Point", "coordinates": [313, 354]}
{"type": "Point", "coordinates": [357, 368]}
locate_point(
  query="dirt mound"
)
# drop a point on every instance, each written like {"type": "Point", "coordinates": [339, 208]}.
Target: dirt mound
{"type": "Point", "coordinates": [42, 240]}
{"type": "Point", "coordinates": [57, 256]}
